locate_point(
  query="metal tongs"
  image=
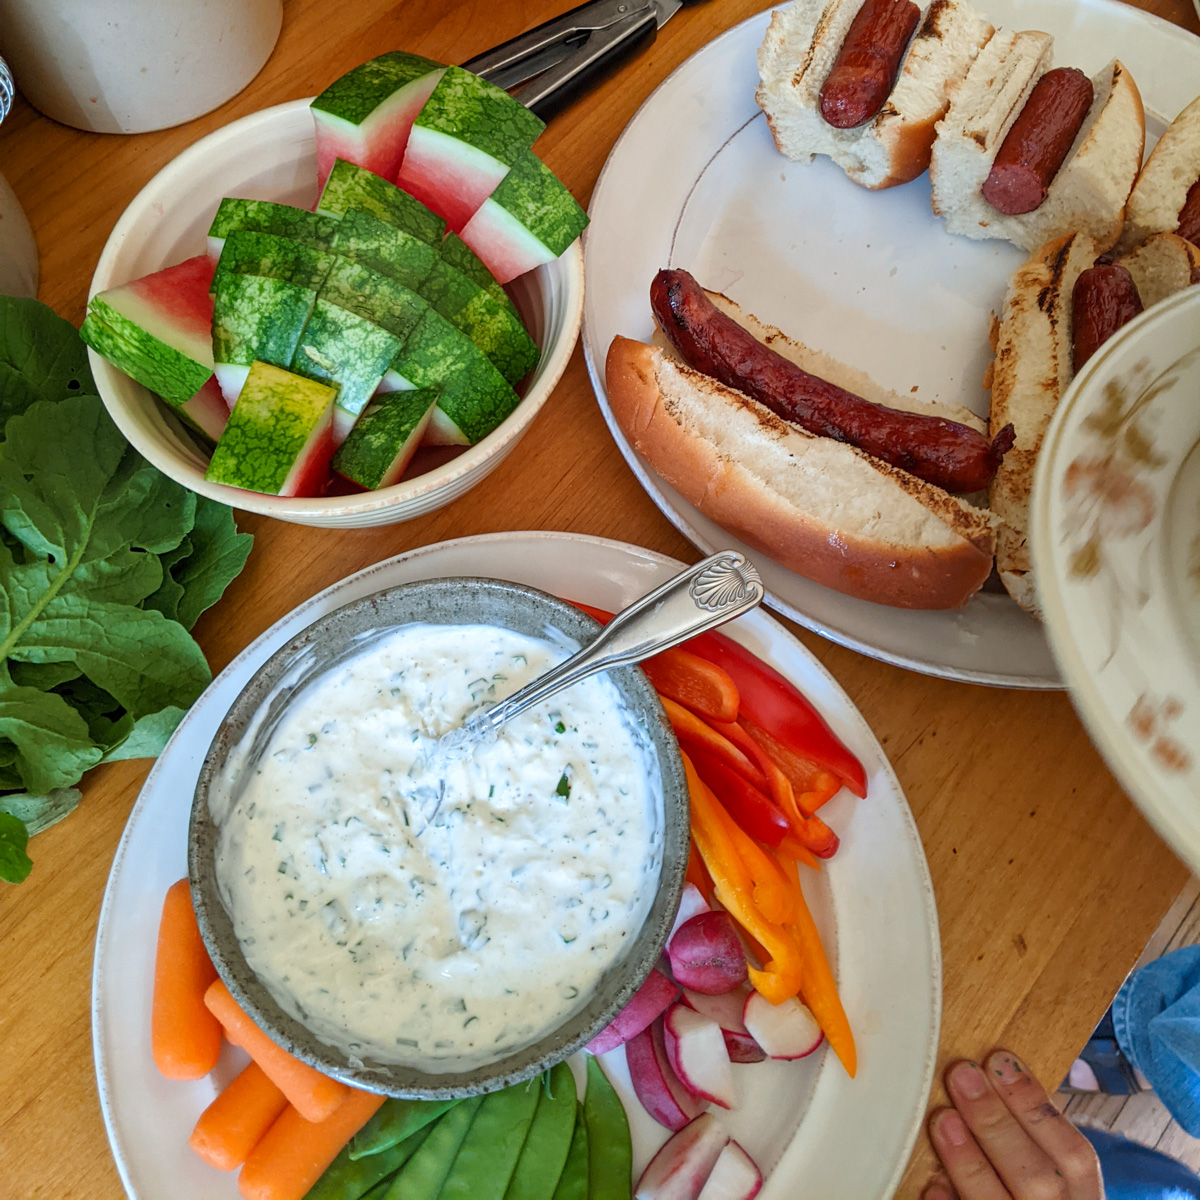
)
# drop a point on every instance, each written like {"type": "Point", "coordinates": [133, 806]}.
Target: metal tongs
{"type": "Point", "coordinates": [567, 55]}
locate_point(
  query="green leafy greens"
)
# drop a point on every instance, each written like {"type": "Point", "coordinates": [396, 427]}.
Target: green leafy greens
{"type": "Point", "coordinates": [105, 564]}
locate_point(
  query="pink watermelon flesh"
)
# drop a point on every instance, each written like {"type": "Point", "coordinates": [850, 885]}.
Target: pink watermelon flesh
{"type": "Point", "coordinates": [309, 475]}
{"type": "Point", "coordinates": [173, 305]}
{"type": "Point", "coordinates": [448, 176]}
{"type": "Point", "coordinates": [503, 244]}
{"type": "Point", "coordinates": [378, 143]}
{"type": "Point", "coordinates": [208, 410]}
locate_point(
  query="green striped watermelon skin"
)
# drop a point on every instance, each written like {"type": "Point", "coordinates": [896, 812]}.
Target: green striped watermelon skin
{"type": "Point", "coordinates": [373, 296]}
{"type": "Point", "coordinates": [278, 439]}
{"type": "Point", "coordinates": [350, 186]}
{"type": "Point", "coordinates": [165, 371]}
{"type": "Point", "coordinates": [251, 252]}
{"type": "Point", "coordinates": [383, 441]}
{"type": "Point", "coordinates": [264, 216]}
{"type": "Point", "coordinates": [461, 257]}
{"type": "Point", "coordinates": [256, 318]}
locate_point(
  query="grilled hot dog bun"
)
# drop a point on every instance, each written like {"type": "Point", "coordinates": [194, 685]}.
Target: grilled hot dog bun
{"type": "Point", "coordinates": [1090, 191]}
{"type": "Point", "coordinates": [800, 48]}
{"type": "Point", "coordinates": [1163, 185]}
{"type": "Point", "coordinates": [819, 507]}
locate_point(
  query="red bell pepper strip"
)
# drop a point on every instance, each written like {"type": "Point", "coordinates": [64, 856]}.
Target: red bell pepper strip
{"type": "Point", "coordinates": [694, 733]}
{"type": "Point", "coordinates": [774, 704]}
{"type": "Point", "coordinates": [697, 874]}
{"type": "Point", "coordinates": [749, 807]}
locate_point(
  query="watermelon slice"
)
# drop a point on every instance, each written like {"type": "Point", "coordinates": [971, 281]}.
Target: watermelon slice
{"type": "Point", "coordinates": [496, 330]}
{"type": "Point", "coordinates": [473, 397]}
{"type": "Point", "coordinates": [386, 437]}
{"type": "Point", "coordinates": [157, 329]}
{"type": "Point", "coordinates": [528, 220]}
{"type": "Point", "coordinates": [266, 287]}
{"type": "Point", "coordinates": [462, 144]}
{"type": "Point", "coordinates": [350, 186]}
{"type": "Point", "coordinates": [457, 254]}
{"type": "Point", "coordinates": [365, 116]}
{"type": "Point", "coordinates": [207, 410]}
{"type": "Point", "coordinates": [279, 439]}
{"type": "Point", "coordinates": [264, 216]}
{"type": "Point", "coordinates": [359, 324]}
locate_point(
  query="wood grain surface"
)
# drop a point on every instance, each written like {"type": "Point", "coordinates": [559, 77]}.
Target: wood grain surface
{"type": "Point", "coordinates": [1048, 881]}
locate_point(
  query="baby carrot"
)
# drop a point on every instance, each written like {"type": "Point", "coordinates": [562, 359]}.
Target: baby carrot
{"type": "Point", "coordinates": [315, 1096]}
{"type": "Point", "coordinates": [294, 1153]}
{"type": "Point", "coordinates": [234, 1123]}
{"type": "Point", "coordinates": [184, 1035]}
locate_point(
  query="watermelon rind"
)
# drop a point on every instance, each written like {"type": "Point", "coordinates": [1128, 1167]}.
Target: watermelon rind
{"type": "Point", "coordinates": [496, 330]}
{"type": "Point", "coordinates": [279, 426]}
{"type": "Point", "coordinates": [473, 397]}
{"type": "Point", "coordinates": [457, 254]}
{"type": "Point", "coordinates": [530, 219]}
{"type": "Point", "coordinates": [387, 434]}
{"type": "Point", "coordinates": [480, 115]}
{"type": "Point", "coordinates": [350, 186]}
{"type": "Point", "coordinates": [206, 412]}
{"type": "Point", "coordinates": [365, 116]}
{"type": "Point", "coordinates": [374, 296]}
{"type": "Point", "coordinates": [256, 318]}
{"type": "Point", "coordinates": [264, 216]}
{"type": "Point", "coordinates": [251, 252]}
{"type": "Point", "coordinates": [152, 363]}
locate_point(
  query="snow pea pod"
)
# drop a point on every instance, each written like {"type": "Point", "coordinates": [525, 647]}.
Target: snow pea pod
{"type": "Point", "coordinates": [545, 1151]}
{"type": "Point", "coordinates": [485, 1161]}
{"type": "Point", "coordinates": [421, 1178]}
{"type": "Point", "coordinates": [353, 1179]}
{"type": "Point", "coordinates": [573, 1182]}
{"type": "Point", "coordinates": [394, 1122]}
{"type": "Point", "coordinates": [610, 1148]}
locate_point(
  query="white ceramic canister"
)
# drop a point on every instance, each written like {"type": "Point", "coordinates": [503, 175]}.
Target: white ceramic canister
{"type": "Point", "coordinates": [129, 66]}
{"type": "Point", "coordinates": [18, 251]}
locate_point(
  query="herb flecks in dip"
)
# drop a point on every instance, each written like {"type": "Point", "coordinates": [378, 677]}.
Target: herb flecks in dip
{"type": "Point", "coordinates": [442, 936]}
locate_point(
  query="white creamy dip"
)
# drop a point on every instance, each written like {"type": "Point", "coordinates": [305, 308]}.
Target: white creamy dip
{"type": "Point", "coordinates": [442, 936]}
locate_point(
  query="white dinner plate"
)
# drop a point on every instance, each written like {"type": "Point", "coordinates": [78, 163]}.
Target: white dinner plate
{"type": "Point", "coordinates": [1116, 540]}
{"type": "Point", "coordinates": [872, 278]}
{"type": "Point", "coordinates": [805, 1122]}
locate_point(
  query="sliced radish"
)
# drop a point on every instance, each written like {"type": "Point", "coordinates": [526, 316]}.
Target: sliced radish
{"type": "Point", "coordinates": [682, 1166]}
{"type": "Point", "coordinates": [706, 954]}
{"type": "Point", "coordinates": [656, 1084]}
{"type": "Point", "coordinates": [691, 904]}
{"type": "Point", "coordinates": [655, 996]}
{"type": "Point", "coordinates": [726, 1009]}
{"type": "Point", "coordinates": [696, 1050]}
{"type": "Point", "coordinates": [742, 1048]}
{"type": "Point", "coordinates": [786, 1030]}
{"type": "Point", "coordinates": [735, 1176]}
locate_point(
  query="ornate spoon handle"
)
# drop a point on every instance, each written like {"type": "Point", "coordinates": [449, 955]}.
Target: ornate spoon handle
{"type": "Point", "coordinates": [702, 597]}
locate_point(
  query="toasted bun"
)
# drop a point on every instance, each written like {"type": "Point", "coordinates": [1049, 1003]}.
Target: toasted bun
{"type": "Point", "coordinates": [797, 54]}
{"type": "Point", "coordinates": [1087, 195]}
{"type": "Point", "coordinates": [1163, 185]}
{"type": "Point", "coordinates": [821, 508]}
{"type": "Point", "coordinates": [1161, 266]}
{"type": "Point", "coordinates": [1033, 366]}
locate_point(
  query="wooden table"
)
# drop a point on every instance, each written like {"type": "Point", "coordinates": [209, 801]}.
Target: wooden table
{"type": "Point", "coordinates": [1048, 881]}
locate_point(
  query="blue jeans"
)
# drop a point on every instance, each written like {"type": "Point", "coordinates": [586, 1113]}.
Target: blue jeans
{"type": "Point", "coordinates": [1134, 1172]}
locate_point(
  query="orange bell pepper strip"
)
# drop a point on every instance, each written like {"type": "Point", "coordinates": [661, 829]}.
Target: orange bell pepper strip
{"type": "Point", "coordinates": [817, 988]}
{"type": "Point", "coordinates": [685, 677]}
{"type": "Point", "coordinates": [692, 731]}
{"type": "Point", "coordinates": [735, 887]}
{"type": "Point", "coordinates": [813, 785]}
{"type": "Point", "coordinates": [697, 874]}
{"type": "Point", "coordinates": [809, 829]}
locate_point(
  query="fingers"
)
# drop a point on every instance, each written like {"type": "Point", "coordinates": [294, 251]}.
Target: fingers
{"type": "Point", "coordinates": [938, 1188]}
{"type": "Point", "coordinates": [969, 1171]}
{"type": "Point", "coordinates": [1021, 1164]}
{"type": "Point", "coordinates": [1026, 1099]}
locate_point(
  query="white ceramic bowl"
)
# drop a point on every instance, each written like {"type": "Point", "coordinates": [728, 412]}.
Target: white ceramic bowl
{"type": "Point", "coordinates": [271, 155]}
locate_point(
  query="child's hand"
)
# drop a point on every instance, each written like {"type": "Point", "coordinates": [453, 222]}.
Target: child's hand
{"type": "Point", "coordinates": [1005, 1140]}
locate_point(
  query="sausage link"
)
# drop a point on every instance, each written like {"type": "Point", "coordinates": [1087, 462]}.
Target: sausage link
{"type": "Point", "coordinates": [1189, 216]}
{"type": "Point", "coordinates": [1105, 297]}
{"type": "Point", "coordinates": [944, 453]}
{"type": "Point", "coordinates": [1039, 141]}
{"type": "Point", "coordinates": [864, 71]}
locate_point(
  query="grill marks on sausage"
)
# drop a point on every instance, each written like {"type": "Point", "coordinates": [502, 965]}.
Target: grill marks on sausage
{"type": "Point", "coordinates": [864, 72]}
{"type": "Point", "coordinates": [1037, 144]}
{"type": "Point", "coordinates": [939, 451]}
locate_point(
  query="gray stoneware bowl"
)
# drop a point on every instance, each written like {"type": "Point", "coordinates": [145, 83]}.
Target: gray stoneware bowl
{"type": "Point", "coordinates": [248, 728]}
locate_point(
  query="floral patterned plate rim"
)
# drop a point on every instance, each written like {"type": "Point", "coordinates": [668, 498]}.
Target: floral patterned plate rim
{"type": "Point", "coordinates": [1116, 547]}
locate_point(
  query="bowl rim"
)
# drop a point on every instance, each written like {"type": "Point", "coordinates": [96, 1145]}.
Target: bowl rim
{"type": "Point", "coordinates": [108, 378]}
{"type": "Point", "coordinates": [634, 965]}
